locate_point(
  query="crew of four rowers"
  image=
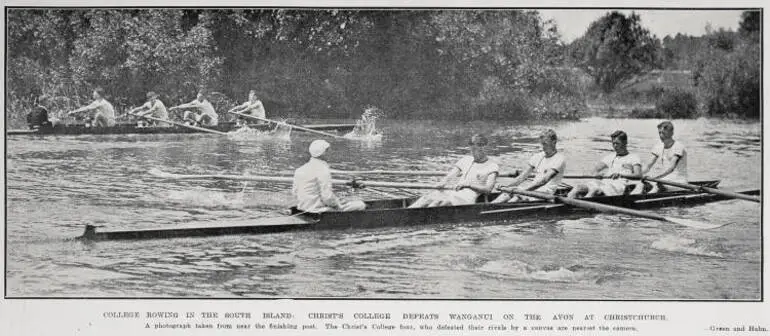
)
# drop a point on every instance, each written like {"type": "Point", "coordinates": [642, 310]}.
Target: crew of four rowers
{"type": "Point", "coordinates": [477, 174]}
{"type": "Point", "coordinates": [199, 112]}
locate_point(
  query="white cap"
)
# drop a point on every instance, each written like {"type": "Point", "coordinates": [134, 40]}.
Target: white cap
{"type": "Point", "coordinates": [318, 147]}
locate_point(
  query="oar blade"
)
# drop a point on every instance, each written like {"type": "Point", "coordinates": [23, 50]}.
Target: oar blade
{"type": "Point", "coordinates": [159, 173]}
{"type": "Point", "coordinates": [693, 223]}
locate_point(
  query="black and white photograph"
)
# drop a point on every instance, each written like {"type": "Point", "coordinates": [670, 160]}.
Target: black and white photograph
{"type": "Point", "coordinates": [504, 154]}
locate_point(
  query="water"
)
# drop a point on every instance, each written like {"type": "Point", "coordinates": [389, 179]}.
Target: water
{"type": "Point", "coordinates": [56, 185]}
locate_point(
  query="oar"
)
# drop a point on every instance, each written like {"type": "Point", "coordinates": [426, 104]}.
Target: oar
{"type": "Point", "coordinates": [290, 125]}
{"type": "Point", "coordinates": [283, 179]}
{"type": "Point", "coordinates": [725, 193]}
{"type": "Point", "coordinates": [406, 172]}
{"type": "Point", "coordinates": [706, 189]}
{"type": "Point", "coordinates": [610, 208]}
{"type": "Point", "coordinates": [182, 124]}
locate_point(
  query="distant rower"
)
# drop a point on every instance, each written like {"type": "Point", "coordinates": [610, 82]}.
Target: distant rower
{"type": "Point", "coordinates": [105, 113]}
{"type": "Point", "coordinates": [313, 187]}
{"type": "Point", "coordinates": [154, 108]}
{"type": "Point", "coordinates": [548, 166]}
{"type": "Point", "coordinates": [38, 118]}
{"type": "Point", "coordinates": [252, 107]}
{"type": "Point", "coordinates": [672, 156]}
{"type": "Point", "coordinates": [201, 111]}
{"type": "Point", "coordinates": [477, 176]}
{"type": "Point", "coordinates": [613, 165]}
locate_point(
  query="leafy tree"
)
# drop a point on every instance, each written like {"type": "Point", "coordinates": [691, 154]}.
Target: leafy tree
{"type": "Point", "coordinates": [616, 48]}
{"type": "Point", "coordinates": [751, 25]}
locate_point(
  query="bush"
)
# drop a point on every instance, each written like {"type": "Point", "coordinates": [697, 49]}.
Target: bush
{"type": "Point", "coordinates": [677, 104]}
{"type": "Point", "coordinates": [646, 113]}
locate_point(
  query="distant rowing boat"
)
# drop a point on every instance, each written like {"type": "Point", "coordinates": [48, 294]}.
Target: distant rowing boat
{"type": "Point", "coordinates": [393, 212]}
{"type": "Point", "coordinates": [134, 129]}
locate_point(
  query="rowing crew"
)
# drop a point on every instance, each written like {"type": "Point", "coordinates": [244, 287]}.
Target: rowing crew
{"type": "Point", "coordinates": [478, 173]}
{"type": "Point", "coordinates": [198, 112]}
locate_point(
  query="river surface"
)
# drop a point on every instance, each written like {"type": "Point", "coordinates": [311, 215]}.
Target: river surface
{"type": "Point", "coordinates": [56, 185]}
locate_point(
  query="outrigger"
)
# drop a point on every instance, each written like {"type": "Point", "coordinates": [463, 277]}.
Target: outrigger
{"type": "Point", "coordinates": [394, 212]}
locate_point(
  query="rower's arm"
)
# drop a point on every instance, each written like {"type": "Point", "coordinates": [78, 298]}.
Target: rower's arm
{"type": "Point", "coordinates": [454, 172]}
{"type": "Point", "coordinates": [537, 183]}
{"type": "Point", "coordinates": [670, 168]}
{"type": "Point", "coordinates": [239, 108]}
{"type": "Point", "coordinates": [88, 107]}
{"type": "Point", "coordinates": [522, 177]}
{"type": "Point", "coordinates": [649, 164]}
{"type": "Point", "coordinates": [598, 168]}
{"type": "Point", "coordinates": [325, 188]}
{"type": "Point", "coordinates": [187, 105]}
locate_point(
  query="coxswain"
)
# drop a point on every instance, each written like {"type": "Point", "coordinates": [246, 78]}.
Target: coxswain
{"type": "Point", "coordinates": [548, 166]}
{"type": "Point", "coordinates": [154, 108]}
{"type": "Point", "coordinates": [37, 119]}
{"type": "Point", "coordinates": [477, 173]}
{"type": "Point", "coordinates": [199, 112]}
{"type": "Point", "coordinates": [670, 156]}
{"type": "Point", "coordinates": [105, 113]}
{"type": "Point", "coordinates": [612, 171]}
{"type": "Point", "coordinates": [313, 186]}
{"type": "Point", "coordinates": [252, 107]}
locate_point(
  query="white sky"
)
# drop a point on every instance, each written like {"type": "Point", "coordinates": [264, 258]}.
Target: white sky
{"type": "Point", "coordinates": [572, 23]}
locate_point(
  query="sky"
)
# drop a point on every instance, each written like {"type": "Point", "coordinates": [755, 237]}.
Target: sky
{"type": "Point", "coordinates": [573, 23]}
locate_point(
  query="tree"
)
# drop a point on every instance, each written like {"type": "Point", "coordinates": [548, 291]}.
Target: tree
{"type": "Point", "coordinates": [616, 48]}
{"type": "Point", "coordinates": [750, 25]}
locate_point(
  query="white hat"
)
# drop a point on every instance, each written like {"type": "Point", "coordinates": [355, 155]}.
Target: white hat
{"type": "Point", "coordinates": [318, 147]}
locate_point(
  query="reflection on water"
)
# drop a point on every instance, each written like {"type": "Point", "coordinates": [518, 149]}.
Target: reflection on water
{"type": "Point", "coordinates": [56, 185]}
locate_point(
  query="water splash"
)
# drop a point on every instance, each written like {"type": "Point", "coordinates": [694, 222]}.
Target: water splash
{"type": "Point", "coordinates": [366, 127]}
{"type": "Point", "coordinates": [282, 131]}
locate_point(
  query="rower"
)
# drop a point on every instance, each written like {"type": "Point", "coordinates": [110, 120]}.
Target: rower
{"type": "Point", "coordinates": [105, 113]}
{"type": "Point", "coordinates": [38, 118]}
{"type": "Point", "coordinates": [313, 186]}
{"type": "Point", "coordinates": [202, 113]}
{"type": "Point", "coordinates": [672, 158]}
{"type": "Point", "coordinates": [614, 165]}
{"type": "Point", "coordinates": [477, 176]}
{"type": "Point", "coordinates": [548, 165]}
{"type": "Point", "coordinates": [154, 108]}
{"type": "Point", "coordinates": [252, 107]}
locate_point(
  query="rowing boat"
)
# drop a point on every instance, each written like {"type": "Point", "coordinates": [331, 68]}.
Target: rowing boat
{"type": "Point", "coordinates": [394, 212]}
{"type": "Point", "coordinates": [132, 128]}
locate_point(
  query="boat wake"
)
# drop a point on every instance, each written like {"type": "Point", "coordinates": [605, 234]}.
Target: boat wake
{"type": "Point", "coordinates": [689, 246]}
{"type": "Point", "coordinates": [206, 199]}
{"type": "Point", "coordinates": [366, 127]}
{"type": "Point", "coordinates": [522, 271]}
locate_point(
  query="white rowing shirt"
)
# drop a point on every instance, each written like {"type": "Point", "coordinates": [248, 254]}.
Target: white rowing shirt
{"type": "Point", "coordinates": [256, 109]}
{"type": "Point", "coordinates": [206, 108]}
{"type": "Point", "coordinates": [617, 165]}
{"type": "Point", "coordinates": [666, 156]}
{"type": "Point", "coordinates": [157, 110]}
{"type": "Point", "coordinates": [471, 172]}
{"type": "Point", "coordinates": [313, 187]}
{"type": "Point", "coordinates": [542, 165]}
{"type": "Point", "coordinates": [104, 108]}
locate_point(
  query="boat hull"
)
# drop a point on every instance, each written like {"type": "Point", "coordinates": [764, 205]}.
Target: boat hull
{"type": "Point", "coordinates": [393, 213]}
{"type": "Point", "coordinates": [134, 129]}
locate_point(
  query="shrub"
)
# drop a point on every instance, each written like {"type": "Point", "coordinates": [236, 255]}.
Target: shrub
{"type": "Point", "coordinates": [677, 104]}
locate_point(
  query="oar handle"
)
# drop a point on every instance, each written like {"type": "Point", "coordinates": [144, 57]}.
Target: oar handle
{"type": "Point", "coordinates": [725, 193]}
